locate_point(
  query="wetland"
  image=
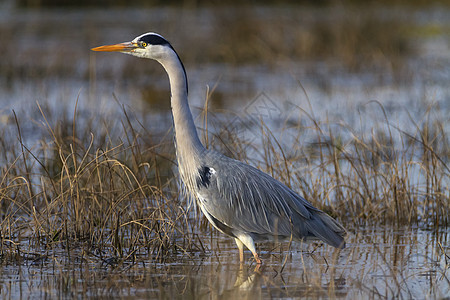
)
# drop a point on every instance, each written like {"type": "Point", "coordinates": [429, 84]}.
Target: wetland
{"type": "Point", "coordinates": [347, 105]}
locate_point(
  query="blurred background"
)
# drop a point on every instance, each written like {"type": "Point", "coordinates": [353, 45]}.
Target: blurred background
{"type": "Point", "coordinates": [343, 54]}
{"type": "Point", "coordinates": [335, 60]}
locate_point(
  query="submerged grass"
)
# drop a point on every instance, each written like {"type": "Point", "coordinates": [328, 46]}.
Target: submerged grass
{"type": "Point", "coordinates": [78, 188]}
{"type": "Point", "coordinates": [388, 175]}
{"type": "Point", "coordinates": [72, 184]}
{"type": "Point", "coordinates": [110, 197]}
{"type": "Point", "coordinates": [72, 187]}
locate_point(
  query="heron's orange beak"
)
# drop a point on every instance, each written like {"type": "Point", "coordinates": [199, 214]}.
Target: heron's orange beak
{"type": "Point", "coordinates": [122, 47]}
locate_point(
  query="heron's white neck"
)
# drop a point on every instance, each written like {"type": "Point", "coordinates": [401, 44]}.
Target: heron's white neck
{"type": "Point", "coordinates": [188, 145]}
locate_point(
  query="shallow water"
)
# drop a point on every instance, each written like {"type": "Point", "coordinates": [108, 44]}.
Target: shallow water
{"type": "Point", "coordinates": [377, 263]}
{"type": "Point", "coordinates": [51, 63]}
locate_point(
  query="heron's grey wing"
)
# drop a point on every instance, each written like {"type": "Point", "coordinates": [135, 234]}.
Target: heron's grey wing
{"type": "Point", "coordinates": [246, 199]}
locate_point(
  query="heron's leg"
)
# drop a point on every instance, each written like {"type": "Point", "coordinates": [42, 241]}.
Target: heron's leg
{"type": "Point", "coordinates": [258, 260]}
{"type": "Point", "coordinates": [241, 250]}
{"type": "Point", "coordinates": [250, 244]}
{"type": "Point", "coordinates": [257, 268]}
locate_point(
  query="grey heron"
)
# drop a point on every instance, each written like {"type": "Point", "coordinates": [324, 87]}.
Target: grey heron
{"type": "Point", "coordinates": [239, 200]}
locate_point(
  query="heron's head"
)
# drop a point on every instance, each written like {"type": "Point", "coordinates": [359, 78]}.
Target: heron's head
{"type": "Point", "coordinates": [148, 45]}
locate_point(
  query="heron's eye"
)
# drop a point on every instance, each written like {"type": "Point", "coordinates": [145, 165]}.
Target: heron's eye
{"type": "Point", "coordinates": [144, 44]}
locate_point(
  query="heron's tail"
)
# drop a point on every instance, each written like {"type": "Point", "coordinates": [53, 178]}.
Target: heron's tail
{"type": "Point", "coordinates": [324, 227]}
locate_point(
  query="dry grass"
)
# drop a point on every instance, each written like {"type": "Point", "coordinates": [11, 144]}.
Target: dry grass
{"type": "Point", "coordinates": [76, 185]}
{"type": "Point", "coordinates": [94, 188]}
{"type": "Point", "coordinates": [110, 198]}
{"type": "Point", "coordinates": [391, 175]}
{"type": "Point", "coordinates": [73, 192]}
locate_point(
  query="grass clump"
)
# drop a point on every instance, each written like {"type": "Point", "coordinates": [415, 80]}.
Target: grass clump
{"type": "Point", "coordinates": [70, 189]}
{"type": "Point", "coordinates": [74, 196]}
{"type": "Point", "coordinates": [389, 175]}
{"type": "Point", "coordinates": [71, 184]}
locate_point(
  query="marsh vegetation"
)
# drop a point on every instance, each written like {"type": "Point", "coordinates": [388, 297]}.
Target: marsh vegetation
{"type": "Point", "coordinates": [348, 111]}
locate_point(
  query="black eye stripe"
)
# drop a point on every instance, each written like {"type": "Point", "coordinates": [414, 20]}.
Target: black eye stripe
{"type": "Point", "coordinates": [153, 39]}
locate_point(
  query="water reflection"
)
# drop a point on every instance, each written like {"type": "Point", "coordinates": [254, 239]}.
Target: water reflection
{"type": "Point", "coordinates": [379, 262]}
{"type": "Point", "coordinates": [385, 262]}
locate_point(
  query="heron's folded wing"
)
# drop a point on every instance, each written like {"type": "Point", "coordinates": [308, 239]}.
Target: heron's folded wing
{"type": "Point", "coordinates": [247, 199]}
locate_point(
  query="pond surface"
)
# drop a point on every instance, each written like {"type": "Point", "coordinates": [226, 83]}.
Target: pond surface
{"type": "Point", "coordinates": [46, 58]}
{"type": "Point", "coordinates": [377, 263]}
